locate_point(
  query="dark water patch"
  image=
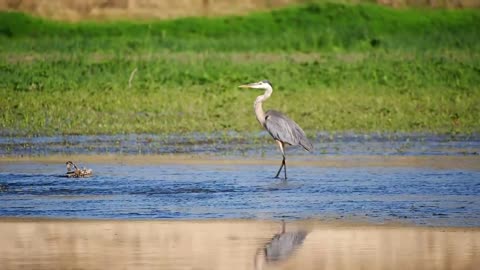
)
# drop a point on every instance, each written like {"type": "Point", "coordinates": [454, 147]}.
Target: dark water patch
{"type": "Point", "coordinates": [246, 144]}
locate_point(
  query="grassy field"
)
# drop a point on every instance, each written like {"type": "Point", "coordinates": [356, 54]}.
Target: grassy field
{"type": "Point", "coordinates": [334, 67]}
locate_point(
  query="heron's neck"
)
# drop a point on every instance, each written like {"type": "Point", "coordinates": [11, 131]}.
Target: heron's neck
{"type": "Point", "coordinates": [258, 105]}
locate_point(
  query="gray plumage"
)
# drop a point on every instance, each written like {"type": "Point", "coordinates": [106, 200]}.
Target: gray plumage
{"type": "Point", "coordinates": [286, 130]}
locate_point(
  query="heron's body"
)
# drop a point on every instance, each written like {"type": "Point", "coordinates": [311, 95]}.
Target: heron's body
{"type": "Point", "coordinates": [286, 130]}
{"type": "Point", "coordinates": [283, 129]}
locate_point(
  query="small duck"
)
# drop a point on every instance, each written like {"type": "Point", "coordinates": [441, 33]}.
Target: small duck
{"type": "Point", "coordinates": [75, 172]}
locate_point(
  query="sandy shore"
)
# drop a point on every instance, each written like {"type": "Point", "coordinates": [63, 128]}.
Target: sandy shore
{"type": "Point", "coordinates": [232, 244]}
{"type": "Point", "coordinates": [437, 162]}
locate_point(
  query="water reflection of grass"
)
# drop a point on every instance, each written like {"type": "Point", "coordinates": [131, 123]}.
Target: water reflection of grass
{"type": "Point", "coordinates": [334, 68]}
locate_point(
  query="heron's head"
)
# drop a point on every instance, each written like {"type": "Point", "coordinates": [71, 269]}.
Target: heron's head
{"type": "Point", "coordinates": [70, 166]}
{"type": "Point", "coordinates": [265, 84]}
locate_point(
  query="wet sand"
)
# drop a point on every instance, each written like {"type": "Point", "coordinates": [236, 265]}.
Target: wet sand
{"type": "Point", "coordinates": [232, 244]}
{"type": "Point", "coordinates": [469, 162]}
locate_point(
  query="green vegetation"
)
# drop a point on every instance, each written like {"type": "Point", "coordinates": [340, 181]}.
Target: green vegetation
{"type": "Point", "coordinates": [334, 68]}
{"type": "Point", "coordinates": [326, 27]}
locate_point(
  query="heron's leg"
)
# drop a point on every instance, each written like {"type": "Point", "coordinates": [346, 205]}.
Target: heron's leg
{"type": "Point", "coordinates": [281, 145]}
{"type": "Point", "coordinates": [281, 166]}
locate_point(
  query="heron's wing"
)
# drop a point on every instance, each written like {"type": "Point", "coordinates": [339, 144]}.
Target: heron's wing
{"type": "Point", "coordinates": [286, 130]}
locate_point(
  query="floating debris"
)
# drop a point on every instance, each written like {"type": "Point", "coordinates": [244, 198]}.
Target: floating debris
{"type": "Point", "coordinates": [75, 172]}
{"type": "Point", "coordinates": [3, 187]}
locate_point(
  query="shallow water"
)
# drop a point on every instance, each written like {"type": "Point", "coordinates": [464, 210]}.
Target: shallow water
{"type": "Point", "coordinates": [233, 244]}
{"type": "Point", "coordinates": [412, 178]}
{"type": "Point", "coordinates": [411, 194]}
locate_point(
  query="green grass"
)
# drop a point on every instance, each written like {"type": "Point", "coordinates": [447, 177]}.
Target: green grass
{"type": "Point", "coordinates": [328, 27]}
{"type": "Point", "coordinates": [334, 67]}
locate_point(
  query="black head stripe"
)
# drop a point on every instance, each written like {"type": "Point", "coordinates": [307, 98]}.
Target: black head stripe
{"type": "Point", "coordinates": [267, 81]}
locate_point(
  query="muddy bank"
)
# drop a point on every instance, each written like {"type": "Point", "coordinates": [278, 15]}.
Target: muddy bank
{"type": "Point", "coordinates": [232, 244]}
{"type": "Point", "coordinates": [74, 10]}
{"type": "Point", "coordinates": [350, 161]}
{"type": "Point", "coordinates": [255, 144]}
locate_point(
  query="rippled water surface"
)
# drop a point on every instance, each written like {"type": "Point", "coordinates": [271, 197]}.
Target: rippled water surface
{"type": "Point", "coordinates": [202, 191]}
{"type": "Point", "coordinates": [433, 180]}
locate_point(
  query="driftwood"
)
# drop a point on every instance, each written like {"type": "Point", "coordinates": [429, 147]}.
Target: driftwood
{"type": "Point", "coordinates": [74, 172]}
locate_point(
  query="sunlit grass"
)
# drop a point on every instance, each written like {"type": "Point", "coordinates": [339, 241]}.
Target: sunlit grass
{"type": "Point", "coordinates": [333, 67]}
{"type": "Point", "coordinates": [365, 92]}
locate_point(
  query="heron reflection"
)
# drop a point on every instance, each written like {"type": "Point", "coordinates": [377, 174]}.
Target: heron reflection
{"type": "Point", "coordinates": [280, 247]}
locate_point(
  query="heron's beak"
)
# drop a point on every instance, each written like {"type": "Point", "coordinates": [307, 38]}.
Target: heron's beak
{"type": "Point", "coordinates": [250, 85]}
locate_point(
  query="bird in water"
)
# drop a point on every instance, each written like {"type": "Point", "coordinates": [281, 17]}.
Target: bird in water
{"type": "Point", "coordinates": [283, 129]}
{"type": "Point", "coordinates": [74, 172]}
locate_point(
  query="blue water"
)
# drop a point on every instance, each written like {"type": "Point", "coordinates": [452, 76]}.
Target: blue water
{"type": "Point", "coordinates": [412, 195]}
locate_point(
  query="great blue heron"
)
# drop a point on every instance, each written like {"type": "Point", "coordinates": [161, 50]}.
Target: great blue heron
{"type": "Point", "coordinates": [283, 129]}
